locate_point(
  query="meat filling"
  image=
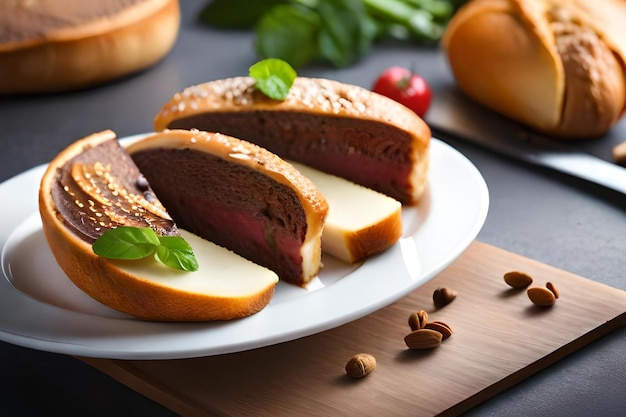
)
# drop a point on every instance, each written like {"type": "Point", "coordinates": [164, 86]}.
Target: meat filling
{"type": "Point", "coordinates": [333, 145]}
{"type": "Point", "coordinates": [231, 205]}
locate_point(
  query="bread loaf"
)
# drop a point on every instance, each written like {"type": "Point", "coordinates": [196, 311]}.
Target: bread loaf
{"type": "Point", "coordinates": [557, 66]}
{"type": "Point", "coordinates": [94, 185]}
{"type": "Point", "coordinates": [337, 128]}
{"type": "Point", "coordinates": [59, 45]}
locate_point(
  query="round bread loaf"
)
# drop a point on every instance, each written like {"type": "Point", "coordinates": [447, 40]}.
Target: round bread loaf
{"type": "Point", "coordinates": [558, 66]}
{"type": "Point", "coordinates": [59, 45]}
{"type": "Point", "coordinates": [337, 128]}
{"type": "Point", "coordinates": [94, 185]}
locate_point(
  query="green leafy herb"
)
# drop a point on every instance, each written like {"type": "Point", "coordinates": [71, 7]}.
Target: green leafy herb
{"type": "Point", "coordinates": [175, 252]}
{"type": "Point", "coordinates": [340, 32]}
{"type": "Point", "coordinates": [236, 14]}
{"type": "Point", "coordinates": [132, 243]}
{"type": "Point", "coordinates": [417, 20]}
{"type": "Point", "coordinates": [289, 32]}
{"type": "Point", "coordinates": [347, 31]}
{"type": "Point", "coordinates": [274, 77]}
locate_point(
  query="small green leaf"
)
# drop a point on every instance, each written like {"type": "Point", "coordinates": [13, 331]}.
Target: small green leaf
{"type": "Point", "coordinates": [175, 252]}
{"type": "Point", "coordinates": [177, 259]}
{"type": "Point", "coordinates": [126, 242]}
{"type": "Point", "coordinates": [274, 77]}
{"type": "Point", "coordinates": [175, 243]}
{"type": "Point", "coordinates": [132, 243]}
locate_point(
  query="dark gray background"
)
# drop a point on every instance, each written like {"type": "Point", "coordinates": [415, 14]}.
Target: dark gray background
{"type": "Point", "coordinates": [544, 215]}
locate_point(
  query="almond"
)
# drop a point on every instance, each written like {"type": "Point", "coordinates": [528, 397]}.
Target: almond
{"type": "Point", "coordinates": [443, 296]}
{"type": "Point", "coordinates": [619, 153]}
{"type": "Point", "coordinates": [541, 297]}
{"type": "Point", "coordinates": [518, 279]}
{"type": "Point", "coordinates": [552, 288]}
{"type": "Point", "coordinates": [423, 339]}
{"type": "Point", "coordinates": [441, 327]}
{"type": "Point", "coordinates": [418, 319]}
{"type": "Point", "coordinates": [360, 365]}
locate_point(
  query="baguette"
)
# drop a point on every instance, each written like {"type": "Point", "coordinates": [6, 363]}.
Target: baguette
{"type": "Point", "coordinates": [557, 66]}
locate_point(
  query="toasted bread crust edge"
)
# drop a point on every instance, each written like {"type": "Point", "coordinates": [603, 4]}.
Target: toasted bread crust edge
{"type": "Point", "coordinates": [355, 246]}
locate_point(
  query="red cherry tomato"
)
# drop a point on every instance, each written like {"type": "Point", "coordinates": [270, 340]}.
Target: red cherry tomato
{"type": "Point", "coordinates": [405, 87]}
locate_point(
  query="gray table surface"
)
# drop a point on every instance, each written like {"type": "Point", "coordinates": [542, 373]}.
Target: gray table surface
{"type": "Point", "coordinates": [538, 213]}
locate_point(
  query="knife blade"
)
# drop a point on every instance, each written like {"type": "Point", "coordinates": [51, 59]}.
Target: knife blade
{"type": "Point", "coordinates": [456, 115]}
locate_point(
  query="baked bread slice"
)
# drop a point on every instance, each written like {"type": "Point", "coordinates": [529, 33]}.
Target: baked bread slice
{"type": "Point", "coordinates": [337, 128]}
{"type": "Point", "coordinates": [350, 233]}
{"type": "Point", "coordinates": [59, 45]}
{"type": "Point", "coordinates": [239, 196]}
{"type": "Point", "coordinates": [94, 185]}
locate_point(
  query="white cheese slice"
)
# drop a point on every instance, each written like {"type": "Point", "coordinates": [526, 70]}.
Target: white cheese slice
{"type": "Point", "coordinates": [360, 221]}
{"type": "Point", "coordinates": [221, 273]}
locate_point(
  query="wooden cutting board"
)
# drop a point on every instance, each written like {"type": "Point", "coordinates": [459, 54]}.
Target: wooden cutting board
{"type": "Point", "coordinates": [499, 339]}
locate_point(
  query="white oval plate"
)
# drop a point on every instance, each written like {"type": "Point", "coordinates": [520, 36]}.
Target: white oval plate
{"type": "Point", "coordinates": [40, 308]}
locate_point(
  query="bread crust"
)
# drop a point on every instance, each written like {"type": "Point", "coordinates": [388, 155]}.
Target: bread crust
{"type": "Point", "coordinates": [106, 281]}
{"type": "Point", "coordinates": [557, 66]}
{"type": "Point", "coordinates": [321, 97]}
{"type": "Point", "coordinates": [363, 243]}
{"type": "Point", "coordinates": [96, 51]}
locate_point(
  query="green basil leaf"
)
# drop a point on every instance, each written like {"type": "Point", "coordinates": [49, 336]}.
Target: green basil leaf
{"type": "Point", "coordinates": [175, 243]}
{"type": "Point", "coordinates": [347, 31]}
{"type": "Point", "coordinates": [126, 242]}
{"type": "Point", "coordinates": [176, 257]}
{"type": "Point", "coordinates": [274, 77]}
{"type": "Point", "coordinates": [236, 14]}
{"type": "Point", "coordinates": [288, 32]}
{"type": "Point", "coordinates": [132, 243]}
